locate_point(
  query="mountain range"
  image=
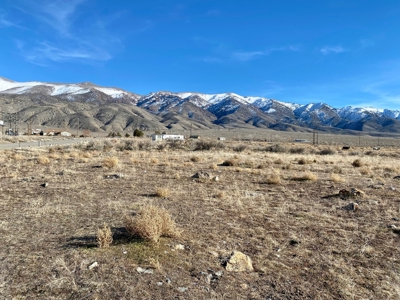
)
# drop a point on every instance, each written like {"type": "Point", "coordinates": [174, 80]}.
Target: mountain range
{"type": "Point", "coordinates": [98, 108]}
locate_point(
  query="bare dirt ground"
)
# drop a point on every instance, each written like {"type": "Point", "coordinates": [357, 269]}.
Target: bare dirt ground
{"type": "Point", "coordinates": [278, 204]}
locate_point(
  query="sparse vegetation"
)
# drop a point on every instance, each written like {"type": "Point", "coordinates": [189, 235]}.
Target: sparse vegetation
{"type": "Point", "coordinates": [309, 223]}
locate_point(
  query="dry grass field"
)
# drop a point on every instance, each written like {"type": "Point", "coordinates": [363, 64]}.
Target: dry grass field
{"type": "Point", "coordinates": [126, 219]}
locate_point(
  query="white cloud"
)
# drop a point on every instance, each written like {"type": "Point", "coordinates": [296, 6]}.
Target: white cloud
{"type": "Point", "coordinates": [249, 55]}
{"type": "Point", "coordinates": [332, 49]}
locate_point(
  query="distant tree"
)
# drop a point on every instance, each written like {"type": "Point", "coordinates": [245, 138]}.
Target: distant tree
{"type": "Point", "coordinates": [127, 135]}
{"type": "Point", "coordinates": [138, 133]}
{"type": "Point", "coordinates": [157, 132]}
{"type": "Point", "coordinates": [118, 134]}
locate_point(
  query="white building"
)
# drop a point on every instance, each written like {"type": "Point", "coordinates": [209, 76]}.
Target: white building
{"type": "Point", "coordinates": [165, 137]}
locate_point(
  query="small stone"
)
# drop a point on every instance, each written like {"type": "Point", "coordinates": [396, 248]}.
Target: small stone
{"type": "Point", "coordinates": [392, 188]}
{"type": "Point", "coordinates": [45, 184]}
{"type": "Point", "coordinates": [93, 265]}
{"type": "Point", "coordinates": [244, 286]}
{"type": "Point", "coordinates": [180, 247]}
{"type": "Point", "coordinates": [140, 270]}
{"type": "Point", "coordinates": [219, 273]}
{"type": "Point", "coordinates": [144, 271]}
{"type": "Point", "coordinates": [160, 283]}
{"type": "Point", "coordinates": [239, 262]}
{"type": "Point", "coordinates": [182, 289]}
{"type": "Point", "coordinates": [168, 281]}
{"type": "Point", "coordinates": [216, 178]}
{"type": "Point", "coordinates": [202, 175]}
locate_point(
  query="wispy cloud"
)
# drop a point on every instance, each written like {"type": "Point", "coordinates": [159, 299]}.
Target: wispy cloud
{"type": "Point", "coordinates": [5, 22]}
{"type": "Point", "coordinates": [65, 36]}
{"type": "Point", "coordinates": [249, 55]}
{"type": "Point", "coordinates": [332, 49]}
{"type": "Point", "coordinates": [244, 56]}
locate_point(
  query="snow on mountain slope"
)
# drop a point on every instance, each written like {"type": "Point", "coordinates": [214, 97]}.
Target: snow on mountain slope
{"type": "Point", "coordinates": [13, 87]}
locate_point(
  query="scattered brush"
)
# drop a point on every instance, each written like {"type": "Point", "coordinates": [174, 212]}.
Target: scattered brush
{"type": "Point", "coordinates": [195, 159]}
{"type": "Point", "coordinates": [327, 151]}
{"type": "Point", "coordinates": [151, 223]}
{"type": "Point", "coordinates": [231, 162]}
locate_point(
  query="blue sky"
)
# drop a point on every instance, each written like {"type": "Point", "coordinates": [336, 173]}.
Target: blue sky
{"type": "Point", "coordinates": [338, 52]}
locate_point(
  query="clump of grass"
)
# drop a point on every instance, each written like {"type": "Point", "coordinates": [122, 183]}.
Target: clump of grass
{"type": "Point", "coordinates": [336, 178]}
{"type": "Point", "coordinates": [220, 195]}
{"type": "Point", "coordinates": [214, 167]}
{"type": "Point", "coordinates": [151, 223]}
{"type": "Point", "coordinates": [274, 179]}
{"type": "Point", "coordinates": [154, 160]}
{"type": "Point", "coordinates": [16, 156]}
{"type": "Point", "coordinates": [239, 148]}
{"type": "Point", "coordinates": [195, 159]}
{"type": "Point", "coordinates": [358, 163]}
{"type": "Point", "coordinates": [110, 162]}
{"type": "Point", "coordinates": [163, 192]}
{"type": "Point", "coordinates": [43, 160]}
{"type": "Point", "coordinates": [104, 236]}
{"type": "Point", "coordinates": [327, 151]}
{"type": "Point", "coordinates": [297, 150]}
{"type": "Point", "coordinates": [302, 161]}
{"type": "Point", "coordinates": [337, 170]}
{"type": "Point", "coordinates": [279, 161]}
{"type": "Point", "coordinates": [276, 148]}
{"type": "Point", "coordinates": [231, 162]}
{"type": "Point", "coordinates": [307, 176]}
{"type": "Point", "coordinates": [365, 171]}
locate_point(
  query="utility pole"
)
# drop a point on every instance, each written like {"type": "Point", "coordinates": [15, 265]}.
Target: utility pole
{"type": "Point", "coordinates": [77, 129]}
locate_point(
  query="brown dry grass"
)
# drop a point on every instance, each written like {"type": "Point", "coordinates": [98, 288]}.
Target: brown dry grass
{"type": "Point", "coordinates": [104, 236]}
{"type": "Point", "coordinates": [302, 242]}
{"type": "Point", "coordinates": [110, 162]}
{"type": "Point", "coordinates": [151, 223]}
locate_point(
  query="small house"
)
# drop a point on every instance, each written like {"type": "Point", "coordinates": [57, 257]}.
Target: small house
{"type": "Point", "coordinates": [156, 137]}
{"type": "Point", "coordinates": [221, 138]}
{"type": "Point", "coordinates": [195, 137]}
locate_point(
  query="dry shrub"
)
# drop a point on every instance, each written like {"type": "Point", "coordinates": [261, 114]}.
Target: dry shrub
{"type": "Point", "coordinates": [43, 160]}
{"type": "Point", "coordinates": [220, 195]}
{"type": "Point", "coordinates": [276, 148]}
{"type": "Point", "coordinates": [358, 163]}
{"type": "Point", "coordinates": [302, 161]}
{"type": "Point", "coordinates": [154, 160]}
{"type": "Point", "coordinates": [110, 162]}
{"type": "Point", "coordinates": [214, 167]}
{"type": "Point", "coordinates": [231, 162]}
{"type": "Point", "coordinates": [279, 161]}
{"type": "Point", "coordinates": [365, 171]}
{"type": "Point", "coordinates": [336, 178]}
{"type": "Point", "coordinates": [337, 170]}
{"type": "Point", "coordinates": [195, 159]}
{"type": "Point", "coordinates": [151, 223]}
{"type": "Point", "coordinates": [16, 156]}
{"type": "Point", "coordinates": [328, 151]}
{"type": "Point", "coordinates": [297, 150]}
{"type": "Point", "coordinates": [306, 176]}
{"type": "Point", "coordinates": [104, 236]}
{"type": "Point", "coordinates": [163, 192]}
{"type": "Point", "coordinates": [74, 154]}
{"type": "Point", "coordinates": [239, 148]}
{"type": "Point", "coordinates": [274, 179]}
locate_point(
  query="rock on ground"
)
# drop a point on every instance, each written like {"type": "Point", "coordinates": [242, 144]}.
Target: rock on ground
{"type": "Point", "coordinates": [239, 262]}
